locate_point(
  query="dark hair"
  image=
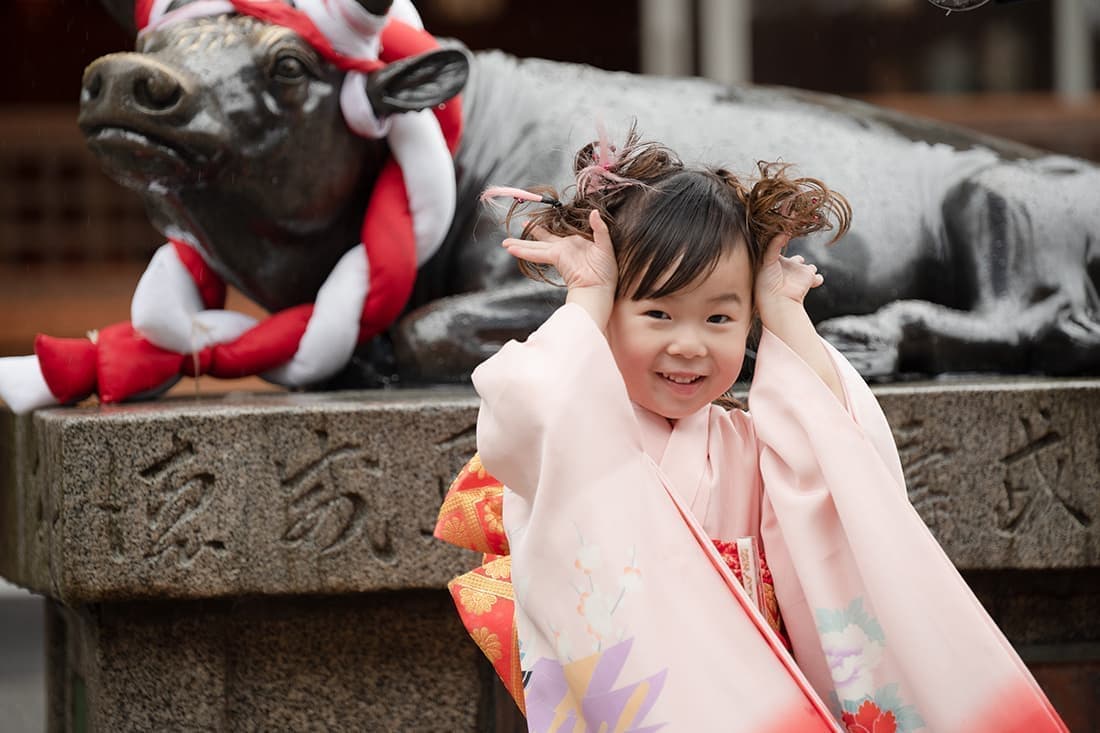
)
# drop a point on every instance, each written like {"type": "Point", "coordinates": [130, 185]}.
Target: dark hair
{"type": "Point", "coordinates": [671, 224]}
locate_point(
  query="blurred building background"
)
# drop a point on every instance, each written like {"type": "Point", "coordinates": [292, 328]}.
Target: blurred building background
{"type": "Point", "coordinates": [73, 244]}
{"type": "Point", "coordinates": [1024, 69]}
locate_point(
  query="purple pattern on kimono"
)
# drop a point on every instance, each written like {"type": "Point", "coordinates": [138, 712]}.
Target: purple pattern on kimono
{"type": "Point", "coordinates": [601, 704]}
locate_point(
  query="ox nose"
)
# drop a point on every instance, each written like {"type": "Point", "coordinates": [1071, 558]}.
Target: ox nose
{"type": "Point", "coordinates": [131, 83]}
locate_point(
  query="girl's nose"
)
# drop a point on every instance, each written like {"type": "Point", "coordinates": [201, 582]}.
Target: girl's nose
{"type": "Point", "coordinates": [688, 345]}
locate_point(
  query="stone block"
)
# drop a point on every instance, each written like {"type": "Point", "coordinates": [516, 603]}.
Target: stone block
{"type": "Point", "coordinates": [274, 494]}
{"type": "Point", "coordinates": [335, 493]}
{"type": "Point", "coordinates": [1006, 473]}
{"type": "Point", "coordinates": [395, 661]}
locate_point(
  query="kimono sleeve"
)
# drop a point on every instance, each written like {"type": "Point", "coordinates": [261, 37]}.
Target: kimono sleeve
{"type": "Point", "coordinates": [881, 622]}
{"type": "Point", "coordinates": [557, 395]}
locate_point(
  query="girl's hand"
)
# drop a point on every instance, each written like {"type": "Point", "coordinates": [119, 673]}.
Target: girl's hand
{"type": "Point", "coordinates": [582, 263]}
{"type": "Point", "coordinates": [587, 266]}
{"type": "Point", "coordinates": [783, 280]}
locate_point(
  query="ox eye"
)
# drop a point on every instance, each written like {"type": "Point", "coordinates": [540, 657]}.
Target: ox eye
{"type": "Point", "coordinates": [288, 69]}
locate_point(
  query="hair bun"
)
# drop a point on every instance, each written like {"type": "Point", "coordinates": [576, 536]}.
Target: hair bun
{"type": "Point", "coordinates": [778, 204]}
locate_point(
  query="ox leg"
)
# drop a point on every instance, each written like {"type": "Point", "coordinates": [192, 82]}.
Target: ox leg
{"type": "Point", "coordinates": [918, 337]}
{"type": "Point", "coordinates": [915, 336]}
{"type": "Point", "coordinates": [1020, 246]}
{"type": "Point", "coordinates": [1071, 346]}
{"type": "Point", "coordinates": [444, 340]}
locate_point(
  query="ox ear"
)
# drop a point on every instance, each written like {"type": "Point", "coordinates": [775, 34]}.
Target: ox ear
{"type": "Point", "coordinates": [418, 82]}
{"type": "Point", "coordinates": [123, 13]}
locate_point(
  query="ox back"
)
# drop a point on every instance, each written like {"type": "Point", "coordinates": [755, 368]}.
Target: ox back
{"type": "Point", "coordinates": [967, 252]}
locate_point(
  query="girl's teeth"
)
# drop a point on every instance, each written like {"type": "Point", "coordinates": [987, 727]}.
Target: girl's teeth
{"type": "Point", "coordinates": [680, 380]}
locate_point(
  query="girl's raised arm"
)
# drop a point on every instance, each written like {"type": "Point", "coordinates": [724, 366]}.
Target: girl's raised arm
{"type": "Point", "coordinates": [781, 286]}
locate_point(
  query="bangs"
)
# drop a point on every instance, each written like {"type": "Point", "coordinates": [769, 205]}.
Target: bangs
{"type": "Point", "coordinates": [675, 234]}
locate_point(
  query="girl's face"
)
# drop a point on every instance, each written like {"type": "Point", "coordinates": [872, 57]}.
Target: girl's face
{"type": "Point", "coordinates": [680, 352]}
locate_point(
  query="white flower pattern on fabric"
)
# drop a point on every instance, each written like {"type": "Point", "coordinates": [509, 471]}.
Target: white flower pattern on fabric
{"type": "Point", "coordinates": [596, 609]}
{"type": "Point", "coordinates": [588, 558]}
{"type": "Point", "coordinates": [631, 579]}
{"type": "Point", "coordinates": [852, 657]}
{"type": "Point", "coordinates": [854, 646]}
{"type": "Point", "coordinates": [597, 598]}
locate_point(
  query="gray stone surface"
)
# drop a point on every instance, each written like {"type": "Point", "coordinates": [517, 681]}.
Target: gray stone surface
{"type": "Point", "coordinates": [337, 493]}
{"type": "Point", "coordinates": [369, 662]}
{"type": "Point", "coordinates": [272, 494]}
{"type": "Point", "coordinates": [1006, 473]}
{"type": "Point", "coordinates": [22, 664]}
{"type": "Point", "coordinates": [1039, 609]}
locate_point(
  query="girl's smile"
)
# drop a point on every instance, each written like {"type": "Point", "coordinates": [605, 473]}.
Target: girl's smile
{"type": "Point", "coordinates": [683, 380]}
{"type": "Point", "coordinates": [683, 386]}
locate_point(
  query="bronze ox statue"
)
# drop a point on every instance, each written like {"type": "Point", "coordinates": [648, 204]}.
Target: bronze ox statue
{"type": "Point", "coordinates": [967, 253]}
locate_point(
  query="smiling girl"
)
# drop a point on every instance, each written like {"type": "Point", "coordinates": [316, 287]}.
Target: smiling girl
{"type": "Point", "coordinates": [676, 564]}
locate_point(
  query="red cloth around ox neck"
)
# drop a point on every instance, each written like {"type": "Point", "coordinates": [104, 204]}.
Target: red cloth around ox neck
{"type": "Point", "coordinates": [387, 228]}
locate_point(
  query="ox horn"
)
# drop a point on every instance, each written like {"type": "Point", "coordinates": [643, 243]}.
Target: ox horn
{"type": "Point", "coordinates": [376, 7]}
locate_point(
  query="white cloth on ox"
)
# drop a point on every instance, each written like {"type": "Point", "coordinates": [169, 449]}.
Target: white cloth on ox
{"type": "Point", "coordinates": [167, 309]}
{"type": "Point", "coordinates": [426, 165]}
{"type": "Point", "coordinates": [333, 330]}
{"type": "Point", "coordinates": [350, 29]}
{"type": "Point", "coordinates": [358, 112]}
{"type": "Point", "coordinates": [404, 11]}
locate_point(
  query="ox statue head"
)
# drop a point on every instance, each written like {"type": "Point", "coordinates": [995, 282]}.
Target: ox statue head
{"type": "Point", "coordinates": [300, 151]}
{"type": "Point", "coordinates": [232, 128]}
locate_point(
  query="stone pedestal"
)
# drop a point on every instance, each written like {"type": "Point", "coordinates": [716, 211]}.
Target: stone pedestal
{"type": "Point", "coordinates": [396, 661]}
{"type": "Point", "coordinates": [266, 562]}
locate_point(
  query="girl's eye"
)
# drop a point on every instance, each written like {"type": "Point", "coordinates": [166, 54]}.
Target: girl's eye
{"type": "Point", "coordinates": [719, 319]}
{"type": "Point", "coordinates": [660, 315]}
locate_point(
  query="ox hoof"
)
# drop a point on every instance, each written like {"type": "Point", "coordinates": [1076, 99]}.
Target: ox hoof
{"type": "Point", "coordinates": [1071, 346]}
{"type": "Point", "coordinates": [873, 354]}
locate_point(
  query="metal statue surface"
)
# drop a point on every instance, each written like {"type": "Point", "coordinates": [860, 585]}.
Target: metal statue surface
{"type": "Point", "coordinates": [967, 253]}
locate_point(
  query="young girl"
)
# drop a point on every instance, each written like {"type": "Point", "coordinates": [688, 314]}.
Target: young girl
{"type": "Point", "coordinates": [652, 538]}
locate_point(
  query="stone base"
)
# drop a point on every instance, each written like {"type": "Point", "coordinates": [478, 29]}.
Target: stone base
{"type": "Point", "coordinates": [379, 662]}
{"type": "Point", "coordinates": [267, 562]}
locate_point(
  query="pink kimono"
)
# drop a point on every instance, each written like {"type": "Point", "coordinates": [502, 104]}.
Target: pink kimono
{"type": "Point", "coordinates": [626, 612]}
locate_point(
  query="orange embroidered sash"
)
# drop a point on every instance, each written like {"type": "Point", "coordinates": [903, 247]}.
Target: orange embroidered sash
{"type": "Point", "coordinates": [472, 517]}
